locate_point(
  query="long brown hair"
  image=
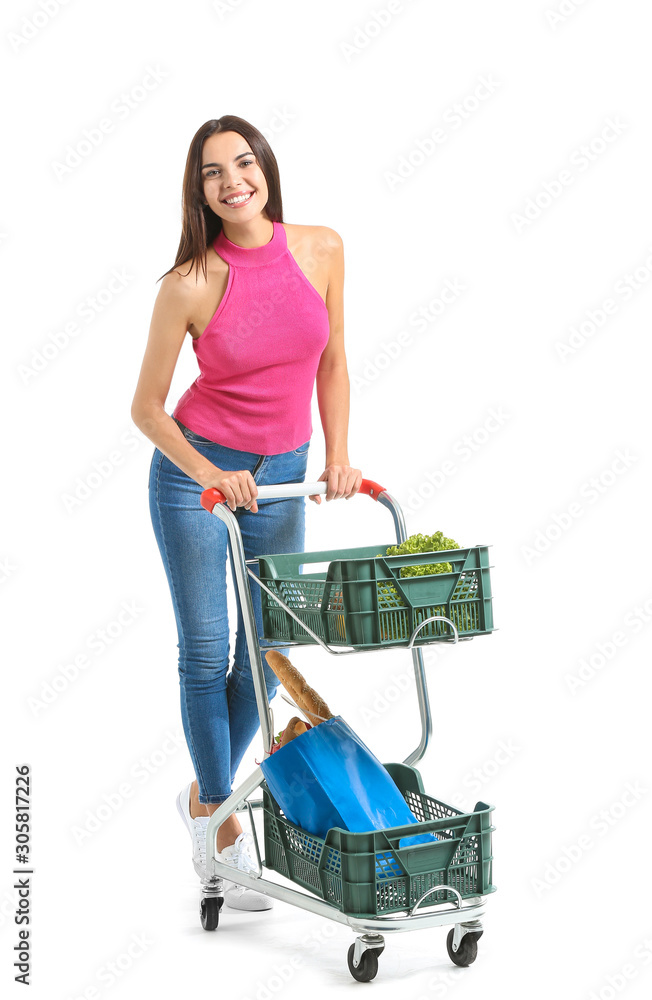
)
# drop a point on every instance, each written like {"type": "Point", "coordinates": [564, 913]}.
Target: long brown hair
{"type": "Point", "coordinates": [200, 224]}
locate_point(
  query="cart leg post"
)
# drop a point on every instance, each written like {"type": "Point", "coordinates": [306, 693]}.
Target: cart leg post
{"type": "Point", "coordinates": [424, 707]}
{"type": "Point", "coordinates": [226, 809]}
{"type": "Point", "coordinates": [388, 501]}
{"type": "Point", "coordinates": [244, 595]}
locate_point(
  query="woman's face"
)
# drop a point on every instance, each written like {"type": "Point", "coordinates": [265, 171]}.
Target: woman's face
{"type": "Point", "coordinates": [230, 170]}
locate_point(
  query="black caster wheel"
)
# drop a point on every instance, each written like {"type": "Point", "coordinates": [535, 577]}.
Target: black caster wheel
{"type": "Point", "coordinates": [209, 912]}
{"type": "Point", "coordinates": [467, 952]}
{"type": "Point", "coordinates": [368, 967]}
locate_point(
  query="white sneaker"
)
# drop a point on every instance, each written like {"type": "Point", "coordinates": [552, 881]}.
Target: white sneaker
{"type": "Point", "coordinates": [197, 830]}
{"type": "Point", "coordinates": [239, 857]}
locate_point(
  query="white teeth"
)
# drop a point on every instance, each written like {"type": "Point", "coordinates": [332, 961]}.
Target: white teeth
{"type": "Point", "coordinates": [241, 198]}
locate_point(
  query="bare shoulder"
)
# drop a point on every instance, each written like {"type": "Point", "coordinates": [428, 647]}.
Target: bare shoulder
{"type": "Point", "coordinates": [176, 285]}
{"type": "Point", "coordinates": [187, 281]}
{"type": "Point", "coordinates": [194, 295]}
{"type": "Point", "coordinates": [190, 275]}
{"type": "Point", "coordinates": [316, 237]}
{"type": "Point", "coordinates": [330, 236]}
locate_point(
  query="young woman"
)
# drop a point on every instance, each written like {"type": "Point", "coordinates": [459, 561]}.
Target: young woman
{"type": "Point", "coordinates": [262, 302]}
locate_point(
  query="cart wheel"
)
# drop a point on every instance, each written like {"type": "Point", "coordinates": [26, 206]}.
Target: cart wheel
{"type": "Point", "coordinates": [209, 912]}
{"type": "Point", "coordinates": [467, 952]}
{"type": "Point", "coordinates": [368, 967]}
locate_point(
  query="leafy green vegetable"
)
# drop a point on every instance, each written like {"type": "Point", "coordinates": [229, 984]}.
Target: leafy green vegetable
{"type": "Point", "coordinates": [389, 597]}
{"type": "Point", "coordinates": [423, 543]}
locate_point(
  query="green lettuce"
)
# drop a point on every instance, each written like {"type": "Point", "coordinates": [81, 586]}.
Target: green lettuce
{"type": "Point", "coordinates": [423, 543]}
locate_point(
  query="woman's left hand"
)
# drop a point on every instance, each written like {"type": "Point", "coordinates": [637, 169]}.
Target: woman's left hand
{"type": "Point", "coordinates": [343, 481]}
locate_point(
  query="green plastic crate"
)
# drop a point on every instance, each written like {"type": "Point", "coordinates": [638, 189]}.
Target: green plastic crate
{"type": "Point", "coordinates": [367, 874]}
{"type": "Point", "coordinates": [362, 601]}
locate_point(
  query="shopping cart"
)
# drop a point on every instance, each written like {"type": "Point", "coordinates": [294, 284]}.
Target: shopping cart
{"type": "Point", "coordinates": [362, 602]}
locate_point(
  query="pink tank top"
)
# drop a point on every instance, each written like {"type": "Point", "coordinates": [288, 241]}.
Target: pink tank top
{"type": "Point", "coordinates": [259, 354]}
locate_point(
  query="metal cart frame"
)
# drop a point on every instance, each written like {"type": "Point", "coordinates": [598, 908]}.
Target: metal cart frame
{"type": "Point", "coordinates": [464, 915]}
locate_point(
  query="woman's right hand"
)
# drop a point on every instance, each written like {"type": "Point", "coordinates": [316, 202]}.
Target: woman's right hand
{"type": "Point", "coordinates": [239, 488]}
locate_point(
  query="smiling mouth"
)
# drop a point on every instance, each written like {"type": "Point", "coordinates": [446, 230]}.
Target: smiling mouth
{"type": "Point", "coordinates": [240, 200]}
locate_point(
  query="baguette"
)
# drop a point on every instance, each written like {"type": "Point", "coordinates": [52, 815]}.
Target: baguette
{"type": "Point", "coordinates": [305, 697]}
{"type": "Point", "coordinates": [295, 727]}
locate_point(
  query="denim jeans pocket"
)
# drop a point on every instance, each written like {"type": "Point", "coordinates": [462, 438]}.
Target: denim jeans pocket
{"type": "Point", "coordinates": [302, 449]}
{"type": "Point", "coordinates": [191, 436]}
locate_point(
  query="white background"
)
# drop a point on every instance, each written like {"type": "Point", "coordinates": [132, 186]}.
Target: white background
{"type": "Point", "coordinates": [344, 104]}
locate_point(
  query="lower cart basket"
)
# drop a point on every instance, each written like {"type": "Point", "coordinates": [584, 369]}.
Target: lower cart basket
{"type": "Point", "coordinates": [366, 874]}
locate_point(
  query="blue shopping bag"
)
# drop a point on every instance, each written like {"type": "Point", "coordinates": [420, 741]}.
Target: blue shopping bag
{"type": "Point", "coordinates": [328, 777]}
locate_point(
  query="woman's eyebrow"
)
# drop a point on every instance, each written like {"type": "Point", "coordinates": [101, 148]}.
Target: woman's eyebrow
{"type": "Point", "coordinates": [235, 158]}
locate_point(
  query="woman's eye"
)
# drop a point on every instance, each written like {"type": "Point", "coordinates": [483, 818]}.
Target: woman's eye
{"type": "Point", "coordinates": [244, 163]}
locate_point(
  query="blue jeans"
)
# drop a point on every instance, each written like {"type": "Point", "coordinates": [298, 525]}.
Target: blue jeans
{"type": "Point", "coordinates": [218, 705]}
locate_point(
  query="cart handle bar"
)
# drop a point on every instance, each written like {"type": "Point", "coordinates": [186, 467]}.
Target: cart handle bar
{"type": "Point", "coordinates": [212, 496]}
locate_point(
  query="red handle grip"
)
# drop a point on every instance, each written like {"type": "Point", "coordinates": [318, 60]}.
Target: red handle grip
{"type": "Point", "coordinates": [213, 496]}
{"type": "Point", "coordinates": [371, 488]}
{"type": "Point", "coordinates": [210, 497]}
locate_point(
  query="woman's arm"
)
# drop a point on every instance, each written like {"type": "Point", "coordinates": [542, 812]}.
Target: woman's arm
{"type": "Point", "coordinates": [332, 380]}
{"type": "Point", "coordinates": [333, 390]}
{"type": "Point", "coordinates": [170, 321]}
{"type": "Point", "coordinates": [333, 386]}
